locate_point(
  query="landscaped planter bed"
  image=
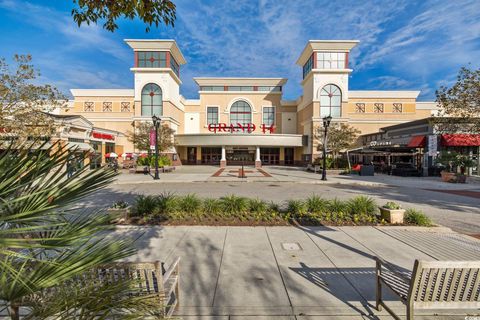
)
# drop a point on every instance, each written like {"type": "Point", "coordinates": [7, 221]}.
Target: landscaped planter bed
{"type": "Point", "coordinates": [168, 209]}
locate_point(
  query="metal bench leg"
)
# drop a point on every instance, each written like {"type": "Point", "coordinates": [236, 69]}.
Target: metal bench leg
{"type": "Point", "coordinates": [378, 304]}
{"type": "Point", "coordinates": [410, 315]}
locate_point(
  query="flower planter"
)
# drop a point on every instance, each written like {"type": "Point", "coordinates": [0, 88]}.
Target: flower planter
{"type": "Point", "coordinates": [448, 176]}
{"type": "Point", "coordinates": [392, 215]}
{"type": "Point", "coordinates": [118, 215]}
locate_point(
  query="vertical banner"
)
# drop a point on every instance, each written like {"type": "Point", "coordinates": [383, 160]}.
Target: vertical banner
{"type": "Point", "coordinates": [152, 139]}
{"type": "Point", "coordinates": [432, 145]}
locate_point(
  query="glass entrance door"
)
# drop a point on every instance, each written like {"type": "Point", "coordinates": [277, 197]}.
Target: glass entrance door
{"type": "Point", "coordinates": [289, 156]}
{"type": "Point", "coordinates": [239, 156]}
{"type": "Point", "coordinates": [192, 155]}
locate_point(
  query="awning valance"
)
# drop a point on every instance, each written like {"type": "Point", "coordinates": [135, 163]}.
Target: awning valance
{"type": "Point", "coordinates": [417, 142]}
{"type": "Point", "coordinates": [460, 140]}
{"type": "Point", "coordinates": [80, 146]}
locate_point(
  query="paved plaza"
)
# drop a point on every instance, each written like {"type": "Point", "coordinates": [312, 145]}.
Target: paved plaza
{"type": "Point", "coordinates": [456, 206]}
{"type": "Point", "coordinates": [293, 273]}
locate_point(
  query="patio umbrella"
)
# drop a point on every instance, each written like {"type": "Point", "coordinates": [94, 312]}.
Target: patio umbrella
{"type": "Point", "coordinates": [128, 155]}
{"type": "Point", "coordinates": [143, 155]}
{"type": "Point", "coordinates": [111, 155]}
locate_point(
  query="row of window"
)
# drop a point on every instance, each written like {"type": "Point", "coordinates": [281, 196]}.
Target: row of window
{"type": "Point", "coordinates": [241, 112]}
{"type": "Point", "coordinates": [89, 106]}
{"type": "Point", "coordinates": [325, 60]}
{"type": "Point", "coordinates": [378, 108]}
{"type": "Point", "coordinates": [242, 88]}
{"type": "Point", "coordinates": [157, 59]}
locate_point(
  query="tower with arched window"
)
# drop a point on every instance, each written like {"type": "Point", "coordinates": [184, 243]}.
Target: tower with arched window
{"type": "Point", "coordinates": [157, 81]}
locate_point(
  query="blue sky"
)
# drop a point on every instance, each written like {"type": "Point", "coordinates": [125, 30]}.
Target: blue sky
{"type": "Point", "coordinates": [404, 45]}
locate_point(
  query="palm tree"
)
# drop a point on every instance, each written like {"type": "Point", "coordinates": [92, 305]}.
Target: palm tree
{"type": "Point", "coordinates": [45, 241]}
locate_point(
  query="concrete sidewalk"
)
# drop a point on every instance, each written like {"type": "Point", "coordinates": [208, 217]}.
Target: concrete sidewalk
{"type": "Point", "coordinates": [204, 173]}
{"type": "Point", "coordinates": [292, 273]}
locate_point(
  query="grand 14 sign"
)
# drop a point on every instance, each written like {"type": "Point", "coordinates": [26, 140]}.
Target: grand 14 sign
{"type": "Point", "coordinates": [240, 127]}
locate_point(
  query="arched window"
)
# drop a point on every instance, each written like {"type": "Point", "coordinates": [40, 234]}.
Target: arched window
{"type": "Point", "coordinates": [240, 112]}
{"type": "Point", "coordinates": [152, 103]}
{"type": "Point", "coordinates": [330, 101]}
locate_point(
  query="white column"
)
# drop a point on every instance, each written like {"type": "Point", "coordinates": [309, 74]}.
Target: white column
{"type": "Point", "coordinates": [224, 157]}
{"type": "Point", "coordinates": [257, 154]}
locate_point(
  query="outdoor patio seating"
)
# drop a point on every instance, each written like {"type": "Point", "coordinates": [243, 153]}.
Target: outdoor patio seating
{"type": "Point", "coordinates": [431, 285]}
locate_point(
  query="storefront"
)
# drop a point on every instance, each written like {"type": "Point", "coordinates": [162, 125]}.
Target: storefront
{"type": "Point", "coordinates": [237, 149]}
{"type": "Point", "coordinates": [417, 144]}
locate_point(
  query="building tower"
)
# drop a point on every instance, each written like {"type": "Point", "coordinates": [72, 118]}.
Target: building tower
{"type": "Point", "coordinates": [325, 85]}
{"type": "Point", "coordinates": [157, 80]}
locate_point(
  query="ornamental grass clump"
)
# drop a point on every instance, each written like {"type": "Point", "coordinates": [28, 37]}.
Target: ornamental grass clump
{"type": "Point", "coordinates": [297, 209]}
{"type": "Point", "coordinates": [316, 204]}
{"type": "Point", "coordinates": [417, 217]}
{"type": "Point", "coordinates": [167, 206]}
{"type": "Point", "coordinates": [143, 206]}
{"type": "Point", "coordinates": [212, 207]}
{"type": "Point", "coordinates": [390, 205]}
{"type": "Point", "coordinates": [362, 209]}
{"type": "Point", "coordinates": [234, 206]}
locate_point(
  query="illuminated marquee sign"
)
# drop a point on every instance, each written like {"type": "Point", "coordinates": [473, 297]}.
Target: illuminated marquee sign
{"type": "Point", "coordinates": [247, 127]}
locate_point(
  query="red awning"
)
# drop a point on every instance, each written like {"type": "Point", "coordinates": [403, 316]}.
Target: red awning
{"type": "Point", "coordinates": [460, 140]}
{"type": "Point", "coordinates": [417, 142]}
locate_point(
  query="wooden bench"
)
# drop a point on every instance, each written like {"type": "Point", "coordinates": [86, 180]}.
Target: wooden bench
{"type": "Point", "coordinates": [151, 278]}
{"type": "Point", "coordinates": [168, 168]}
{"type": "Point", "coordinates": [431, 285]}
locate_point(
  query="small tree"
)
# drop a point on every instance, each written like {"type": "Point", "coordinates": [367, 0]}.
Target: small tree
{"type": "Point", "coordinates": [341, 136]}
{"type": "Point", "coordinates": [24, 105]}
{"type": "Point", "coordinates": [140, 137]}
{"type": "Point", "coordinates": [460, 104]}
{"type": "Point", "coordinates": [151, 12]}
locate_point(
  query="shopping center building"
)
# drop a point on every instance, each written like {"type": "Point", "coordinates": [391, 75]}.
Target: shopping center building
{"type": "Point", "coordinates": [242, 120]}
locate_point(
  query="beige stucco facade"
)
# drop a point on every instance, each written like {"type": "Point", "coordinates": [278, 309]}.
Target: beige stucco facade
{"type": "Point", "coordinates": [244, 118]}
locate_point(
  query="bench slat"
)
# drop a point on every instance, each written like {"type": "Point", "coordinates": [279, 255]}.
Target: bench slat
{"type": "Point", "coordinates": [438, 280]}
{"type": "Point", "coordinates": [453, 284]}
{"type": "Point", "coordinates": [462, 287]}
{"type": "Point", "coordinates": [476, 288]}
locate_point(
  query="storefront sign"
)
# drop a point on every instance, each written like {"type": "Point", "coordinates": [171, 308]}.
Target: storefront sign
{"type": "Point", "coordinates": [380, 143]}
{"type": "Point", "coordinates": [432, 145]}
{"type": "Point", "coordinates": [104, 136]}
{"type": "Point", "coordinates": [249, 128]}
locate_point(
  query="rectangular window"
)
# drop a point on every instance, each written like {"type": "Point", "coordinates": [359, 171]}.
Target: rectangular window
{"type": "Point", "coordinates": [152, 59]}
{"type": "Point", "coordinates": [307, 67]}
{"type": "Point", "coordinates": [269, 116]}
{"type": "Point", "coordinates": [270, 89]}
{"type": "Point", "coordinates": [360, 107]}
{"type": "Point", "coordinates": [212, 88]}
{"type": "Point", "coordinates": [331, 60]}
{"type": "Point", "coordinates": [174, 66]}
{"type": "Point", "coordinates": [109, 147]}
{"type": "Point", "coordinates": [378, 108]}
{"type": "Point", "coordinates": [397, 108]}
{"type": "Point", "coordinates": [212, 115]}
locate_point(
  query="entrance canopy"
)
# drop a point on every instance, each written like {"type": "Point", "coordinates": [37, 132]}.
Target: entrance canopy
{"type": "Point", "coordinates": [417, 142]}
{"type": "Point", "coordinates": [229, 139]}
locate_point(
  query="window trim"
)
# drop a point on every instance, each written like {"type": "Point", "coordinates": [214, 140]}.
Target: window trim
{"type": "Point", "coordinates": [151, 105]}
{"type": "Point", "coordinates": [330, 104]}
{"type": "Point", "coordinates": [206, 113]}
{"type": "Point", "coordinates": [274, 114]}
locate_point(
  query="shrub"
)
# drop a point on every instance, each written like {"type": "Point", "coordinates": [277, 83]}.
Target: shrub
{"type": "Point", "coordinates": [212, 206]}
{"type": "Point", "coordinates": [143, 205]}
{"type": "Point", "coordinates": [336, 205]}
{"type": "Point", "coordinates": [234, 205]}
{"type": "Point", "coordinates": [119, 205]}
{"type": "Point", "coordinates": [167, 203]}
{"type": "Point", "coordinates": [391, 205]}
{"type": "Point", "coordinates": [362, 205]}
{"type": "Point", "coordinates": [296, 208]}
{"type": "Point", "coordinates": [417, 217]}
{"type": "Point", "coordinates": [316, 204]}
{"type": "Point", "coordinates": [257, 206]}
{"type": "Point", "coordinates": [189, 203]}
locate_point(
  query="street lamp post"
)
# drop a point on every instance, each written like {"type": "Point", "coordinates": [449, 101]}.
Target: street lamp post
{"type": "Point", "coordinates": [326, 124]}
{"type": "Point", "coordinates": [156, 124]}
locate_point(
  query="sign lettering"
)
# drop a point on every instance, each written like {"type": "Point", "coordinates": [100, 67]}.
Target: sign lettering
{"type": "Point", "coordinates": [239, 127]}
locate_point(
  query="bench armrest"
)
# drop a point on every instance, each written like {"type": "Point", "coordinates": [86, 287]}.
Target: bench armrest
{"type": "Point", "coordinates": [392, 269]}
